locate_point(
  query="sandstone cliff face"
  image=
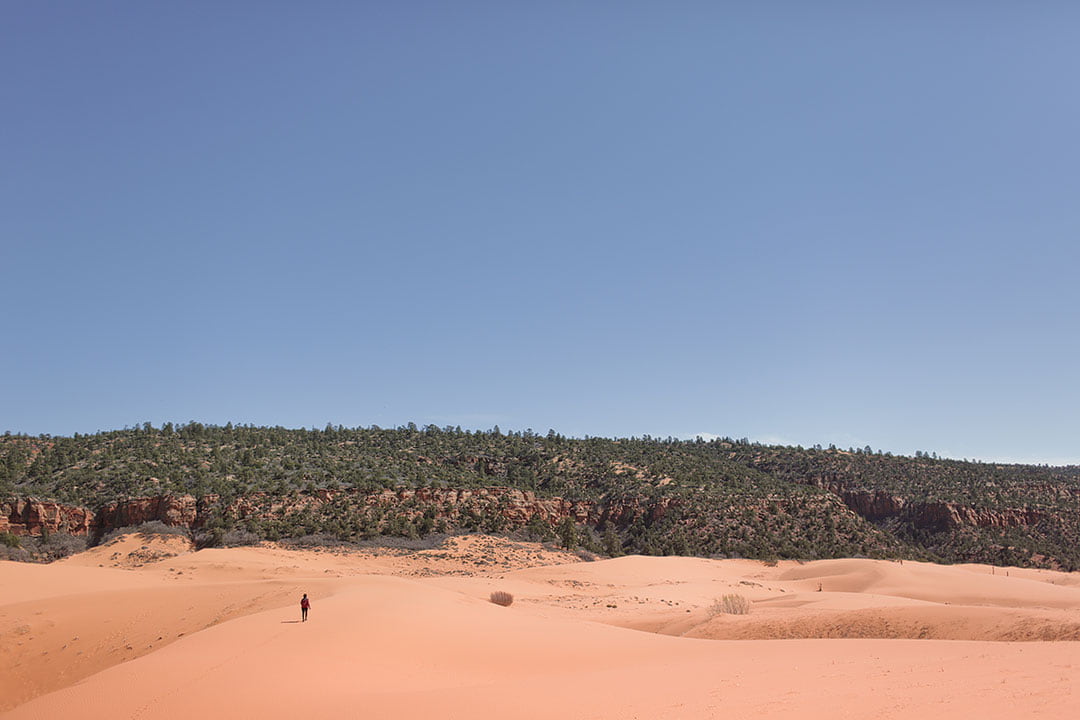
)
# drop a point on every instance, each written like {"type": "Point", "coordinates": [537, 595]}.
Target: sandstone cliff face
{"type": "Point", "coordinates": [31, 517]}
{"type": "Point", "coordinates": [517, 507]}
{"type": "Point", "coordinates": [942, 517]}
{"type": "Point", "coordinates": [175, 511]}
{"type": "Point", "coordinates": [878, 505]}
{"type": "Point", "coordinates": [873, 506]}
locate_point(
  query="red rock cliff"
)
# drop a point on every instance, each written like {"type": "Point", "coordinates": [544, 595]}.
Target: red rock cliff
{"type": "Point", "coordinates": [31, 517]}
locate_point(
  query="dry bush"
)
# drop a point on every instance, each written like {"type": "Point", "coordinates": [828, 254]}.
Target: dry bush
{"type": "Point", "coordinates": [239, 538]}
{"type": "Point", "coordinates": [42, 548]}
{"type": "Point", "coordinates": [500, 597]}
{"type": "Point", "coordinates": [731, 605]}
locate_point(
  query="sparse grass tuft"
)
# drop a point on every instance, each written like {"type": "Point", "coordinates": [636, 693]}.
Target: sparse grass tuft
{"type": "Point", "coordinates": [731, 605]}
{"type": "Point", "coordinates": [500, 597]}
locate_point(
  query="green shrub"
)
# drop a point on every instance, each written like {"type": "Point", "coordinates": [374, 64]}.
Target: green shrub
{"type": "Point", "coordinates": [567, 532]}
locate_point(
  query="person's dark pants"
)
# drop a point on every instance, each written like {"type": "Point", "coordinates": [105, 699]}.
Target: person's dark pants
{"type": "Point", "coordinates": [303, 614]}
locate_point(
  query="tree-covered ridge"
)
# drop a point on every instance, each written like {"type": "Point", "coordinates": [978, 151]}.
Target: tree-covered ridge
{"type": "Point", "coordinates": [923, 478]}
{"type": "Point", "coordinates": [235, 460]}
{"type": "Point", "coordinates": [648, 495]}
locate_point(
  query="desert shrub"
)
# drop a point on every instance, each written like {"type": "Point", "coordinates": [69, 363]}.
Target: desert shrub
{"type": "Point", "coordinates": [156, 527]}
{"type": "Point", "coordinates": [153, 527]}
{"type": "Point", "coordinates": [10, 540]}
{"type": "Point", "coordinates": [501, 597]}
{"type": "Point", "coordinates": [112, 534]}
{"type": "Point", "coordinates": [209, 538]}
{"type": "Point", "coordinates": [61, 545]}
{"type": "Point", "coordinates": [18, 554]}
{"type": "Point", "coordinates": [731, 604]}
{"type": "Point", "coordinates": [431, 541]}
{"type": "Point", "coordinates": [239, 538]}
{"type": "Point", "coordinates": [314, 540]}
{"type": "Point", "coordinates": [43, 549]}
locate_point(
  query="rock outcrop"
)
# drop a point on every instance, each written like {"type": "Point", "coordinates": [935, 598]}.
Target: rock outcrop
{"type": "Point", "coordinates": [175, 511]}
{"type": "Point", "coordinates": [943, 517]}
{"type": "Point", "coordinates": [515, 507]}
{"type": "Point", "coordinates": [33, 517]}
{"type": "Point", "coordinates": [878, 505]}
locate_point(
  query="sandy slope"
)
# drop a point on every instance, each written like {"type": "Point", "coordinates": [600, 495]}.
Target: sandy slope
{"type": "Point", "coordinates": [411, 635]}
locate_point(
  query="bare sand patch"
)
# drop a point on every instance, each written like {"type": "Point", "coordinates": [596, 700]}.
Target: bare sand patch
{"type": "Point", "coordinates": [412, 634]}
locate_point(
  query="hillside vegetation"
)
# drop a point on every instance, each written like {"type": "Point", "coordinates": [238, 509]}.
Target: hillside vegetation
{"type": "Point", "coordinates": [631, 495]}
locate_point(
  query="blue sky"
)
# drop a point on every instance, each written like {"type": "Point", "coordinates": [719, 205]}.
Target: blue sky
{"type": "Point", "coordinates": [799, 222]}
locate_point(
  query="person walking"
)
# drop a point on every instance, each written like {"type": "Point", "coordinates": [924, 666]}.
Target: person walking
{"type": "Point", "coordinates": [305, 604]}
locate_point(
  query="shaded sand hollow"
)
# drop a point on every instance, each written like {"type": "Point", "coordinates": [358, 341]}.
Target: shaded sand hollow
{"type": "Point", "coordinates": [145, 628]}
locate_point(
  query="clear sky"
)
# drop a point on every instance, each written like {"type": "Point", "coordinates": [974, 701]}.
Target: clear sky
{"type": "Point", "coordinates": [852, 223]}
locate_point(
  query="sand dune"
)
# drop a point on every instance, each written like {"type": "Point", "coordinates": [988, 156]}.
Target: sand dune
{"type": "Point", "coordinates": [398, 634]}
